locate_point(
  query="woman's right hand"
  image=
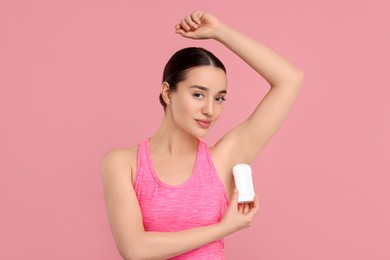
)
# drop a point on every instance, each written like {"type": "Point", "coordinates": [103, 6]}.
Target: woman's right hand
{"type": "Point", "coordinates": [198, 25]}
{"type": "Point", "coordinates": [239, 215]}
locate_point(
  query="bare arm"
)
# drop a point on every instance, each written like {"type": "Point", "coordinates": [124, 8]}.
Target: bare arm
{"type": "Point", "coordinates": [125, 218]}
{"type": "Point", "coordinates": [245, 141]}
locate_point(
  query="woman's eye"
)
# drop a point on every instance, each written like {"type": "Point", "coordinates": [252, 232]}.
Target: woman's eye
{"type": "Point", "coordinates": [198, 95]}
{"type": "Point", "coordinates": [220, 99]}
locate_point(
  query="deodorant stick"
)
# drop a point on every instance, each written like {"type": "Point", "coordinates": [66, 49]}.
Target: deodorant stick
{"type": "Point", "coordinates": [243, 179]}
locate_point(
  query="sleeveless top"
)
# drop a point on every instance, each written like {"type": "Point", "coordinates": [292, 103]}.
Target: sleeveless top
{"type": "Point", "coordinates": [201, 200]}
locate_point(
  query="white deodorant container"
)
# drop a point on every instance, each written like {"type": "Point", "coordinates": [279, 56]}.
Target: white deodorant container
{"type": "Point", "coordinates": [243, 179]}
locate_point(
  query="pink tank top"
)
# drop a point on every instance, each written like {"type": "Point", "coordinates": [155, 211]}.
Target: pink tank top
{"type": "Point", "coordinates": [201, 200]}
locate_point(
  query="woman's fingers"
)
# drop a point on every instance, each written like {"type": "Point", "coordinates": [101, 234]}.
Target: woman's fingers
{"type": "Point", "coordinates": [183, 32]}
{"type": "Point", "coordinates": [177, 27]}
{"type": "Point", "coordinates": [189, 20]}
{"type": "Point", "coordinates": [198, 25]}
{"type": "Point", "coordinates": [249, 208]}
{"type": "Point", "coordinates": [196, 16]}
{"type": "Point", "coordinates": [239, 215]}
{"type": "Point", "coordinates": [256, 206]}
{"type": "Point", "coordinates": [246, 208]}
{"type": "Point", "coordinates": [184, 25]}
{"type": "Point", "coordinates": [188, 23]}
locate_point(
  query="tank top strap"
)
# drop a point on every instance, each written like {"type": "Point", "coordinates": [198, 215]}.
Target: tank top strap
{"type": "Point", "coordinates": [204, 156]}
{"type": "Point", "coordinates": [207, 167]}
{"type": "Point", "coordinates": [202, 151]}
{"type": "Point", "coordinates": [142, 163]}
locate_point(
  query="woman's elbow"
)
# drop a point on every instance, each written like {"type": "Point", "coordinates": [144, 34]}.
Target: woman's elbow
{"type": "Point", "coordinates": [298, 76]}
{"type": "Point", "coordinates": [293, 79]}
{"type": "Point", "coordinates": [301, 75]}
{"type": "Point", "coordinates": [129, 252]}
{"type": "Point", "coordinates": [131, 255]}
{"type": "Point", "coordinates": [135, 254]}
{"type": "Point", "coordinates": [297, 79]}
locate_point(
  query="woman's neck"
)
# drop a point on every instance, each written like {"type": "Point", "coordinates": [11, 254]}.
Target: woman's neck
{"type": "Point", "coordinates": [171, 139]}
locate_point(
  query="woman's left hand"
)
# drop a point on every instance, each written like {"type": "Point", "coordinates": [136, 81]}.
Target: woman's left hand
{"type": "Point", "coordinates": [198, 25]}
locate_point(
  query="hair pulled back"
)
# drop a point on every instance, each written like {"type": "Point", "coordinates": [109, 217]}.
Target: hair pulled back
{"type": "Point", "coordinates": [182, 61]}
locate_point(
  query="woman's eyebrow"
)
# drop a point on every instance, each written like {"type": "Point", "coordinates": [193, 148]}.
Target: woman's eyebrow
{"type": "Point", "coordinates": [207, 89]}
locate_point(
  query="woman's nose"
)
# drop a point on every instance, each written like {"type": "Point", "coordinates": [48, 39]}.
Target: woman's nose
{"type": "Point", "coordinates": [208, 108]}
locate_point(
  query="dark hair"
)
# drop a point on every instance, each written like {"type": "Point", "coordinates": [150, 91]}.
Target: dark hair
{"type": "Point", "coordinates": [182, 61]}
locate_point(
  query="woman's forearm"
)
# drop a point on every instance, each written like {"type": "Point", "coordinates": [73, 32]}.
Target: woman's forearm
{"type": "Point", "coordinates": [162, 245]}
{"type": "Point", "coordinates": [271, 66]}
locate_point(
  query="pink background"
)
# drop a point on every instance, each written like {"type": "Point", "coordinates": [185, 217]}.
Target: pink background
{"type": "Point", "coordinates": [78, 78]}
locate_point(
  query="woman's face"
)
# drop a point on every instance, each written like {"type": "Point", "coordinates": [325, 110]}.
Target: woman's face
{"type": "Point", "coordinates": [198, 100]}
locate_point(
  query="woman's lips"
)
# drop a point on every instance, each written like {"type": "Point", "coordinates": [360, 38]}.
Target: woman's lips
{"type": "Point", "coordinates": [203, 123]}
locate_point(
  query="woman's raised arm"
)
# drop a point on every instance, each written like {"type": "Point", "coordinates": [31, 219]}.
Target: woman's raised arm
{"type": "Point", "coordinates": [245, 141]}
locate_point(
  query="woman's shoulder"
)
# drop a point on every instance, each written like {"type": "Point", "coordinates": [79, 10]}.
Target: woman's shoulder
{"type": "Point", "coordinates": [120, 160]}
{"type": "Point", "coordinates": [121, 153]}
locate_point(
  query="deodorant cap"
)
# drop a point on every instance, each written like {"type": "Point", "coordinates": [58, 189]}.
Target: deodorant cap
{"type": "Point", "coordinates": [242, 166]}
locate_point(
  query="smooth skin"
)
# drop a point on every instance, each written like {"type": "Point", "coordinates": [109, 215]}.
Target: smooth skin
{"type": "Point", "coordinates": [173, 147]}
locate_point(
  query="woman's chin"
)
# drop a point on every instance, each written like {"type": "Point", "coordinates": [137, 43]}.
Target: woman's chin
{"type": "Point", "coordinates": [201, 134]}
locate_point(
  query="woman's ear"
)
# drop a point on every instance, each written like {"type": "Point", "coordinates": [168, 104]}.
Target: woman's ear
{"type": "Point", "coordinates": [166, 92]}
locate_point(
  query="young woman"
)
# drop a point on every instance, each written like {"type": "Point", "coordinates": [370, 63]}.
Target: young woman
{"type": "Point", "coordinates": [167, 197]}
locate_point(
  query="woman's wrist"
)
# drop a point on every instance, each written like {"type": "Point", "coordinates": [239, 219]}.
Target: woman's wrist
{"type": "Point", "coordinates": [221, 31]}
{"type": "Point", "coordinates": [223, 228]}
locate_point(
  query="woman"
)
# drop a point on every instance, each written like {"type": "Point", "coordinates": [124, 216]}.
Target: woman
{"type": "Point", "coordinates": [168, 196]}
